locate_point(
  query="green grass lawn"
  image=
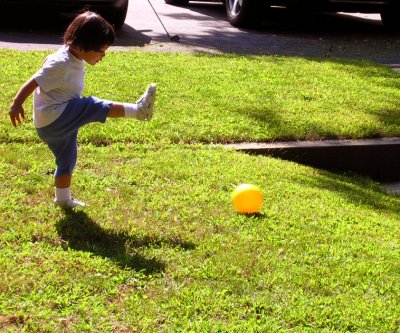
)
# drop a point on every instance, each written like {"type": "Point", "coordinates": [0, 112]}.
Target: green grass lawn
{"type": "Point", "coordinates": [229, 98]}
{"type": "Point", "coordinates": [159, 247]}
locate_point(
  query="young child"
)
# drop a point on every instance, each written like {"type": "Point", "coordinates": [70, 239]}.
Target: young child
{"type": "Point", "coordinates": [59, 109]}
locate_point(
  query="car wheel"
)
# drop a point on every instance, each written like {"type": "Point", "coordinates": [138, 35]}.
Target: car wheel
{"type": "Point", "coordinates": [117, 16]}
{"type": "Point", "coordinates": [391, 18]}
{"type": "Point", "coordinates": [243, 13]}
{"type": "Point", "coordinates": [177, 2]}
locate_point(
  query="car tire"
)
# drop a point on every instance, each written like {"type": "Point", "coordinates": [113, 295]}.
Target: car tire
{"type": "Point", "coordinates": [177, 2]}
{"type": "Point", "coordinates": [391, 18]}
{"type": "Point", "coordinates": [117, 16]}
{"type": "Point", "coordinates": [243, 13]}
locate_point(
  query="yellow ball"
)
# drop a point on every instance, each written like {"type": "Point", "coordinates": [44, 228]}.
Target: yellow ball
{"type": "Point", "coordinates": [247, 199]}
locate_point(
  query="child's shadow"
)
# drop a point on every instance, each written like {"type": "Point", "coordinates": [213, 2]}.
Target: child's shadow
{"type": "Point", "coordinates": [80, 232]}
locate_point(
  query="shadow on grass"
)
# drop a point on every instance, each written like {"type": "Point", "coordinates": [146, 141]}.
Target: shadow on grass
{"type": "Point", "coordinates": [82, 233]}
{"type": "Point", "coordinates": [354, 189]}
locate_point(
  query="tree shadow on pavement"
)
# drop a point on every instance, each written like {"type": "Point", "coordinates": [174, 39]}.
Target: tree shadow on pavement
{"type": "Point", "coordinates": [48, 29]}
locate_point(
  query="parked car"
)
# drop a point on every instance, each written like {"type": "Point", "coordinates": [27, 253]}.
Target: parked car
{"type": "Point", "coordinates": [114, 11]}
{"type": "Point", "coordinates": [242, 13]}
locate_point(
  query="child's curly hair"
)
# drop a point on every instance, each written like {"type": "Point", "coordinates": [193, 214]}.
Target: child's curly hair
{"type": "Point", "coordinates": [89, 32]}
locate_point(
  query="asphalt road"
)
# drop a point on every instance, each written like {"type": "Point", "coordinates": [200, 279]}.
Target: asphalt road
{"type": "Point", "coordinates": [203, 27]}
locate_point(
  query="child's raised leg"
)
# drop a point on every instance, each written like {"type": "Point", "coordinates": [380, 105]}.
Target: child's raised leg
{"type": "Point", "coordinates": [142, 109]}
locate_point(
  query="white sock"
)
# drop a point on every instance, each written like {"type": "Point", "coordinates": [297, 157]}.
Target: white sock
{"type": "Point", "coordinates": [131, 110]}
{"type": "Point", "coordinates": [63, 194]}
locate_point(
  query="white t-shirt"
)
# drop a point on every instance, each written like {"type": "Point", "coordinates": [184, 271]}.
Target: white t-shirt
{"type": "Point", "coordinates": [60, 79]}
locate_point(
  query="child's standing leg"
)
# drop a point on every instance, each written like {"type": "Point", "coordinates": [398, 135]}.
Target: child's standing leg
{"type": "Point", "coordinates": [65, 151]}
{"type": "Point", "coordinates": [66, 162]}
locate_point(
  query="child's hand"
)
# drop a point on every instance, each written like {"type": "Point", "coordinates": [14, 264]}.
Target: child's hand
{"type": "Point", "coordinates": [17, 114]}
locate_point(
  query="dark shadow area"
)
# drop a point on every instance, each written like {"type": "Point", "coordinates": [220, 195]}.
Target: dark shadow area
{"type": "Point", "coordinates": [127, 36]}
{"type": "Point", "coordinates": [80, 232]}
{"type": "Point", "coordinates": [35, 28]}
{"type": "Point", "coordinates": [354, 189]}
{"type": "Point", "coordinates": [380, 162]}
{"type": "Point", "coordinates": [256, 216]}
{"type": "Point", "coordinates": [326, 24]}
{"type": "Point", "coordinates": [48, 29]}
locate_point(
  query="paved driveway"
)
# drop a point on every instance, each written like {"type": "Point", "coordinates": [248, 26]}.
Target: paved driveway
{"type": "Point", "coordinates": [203, 28]}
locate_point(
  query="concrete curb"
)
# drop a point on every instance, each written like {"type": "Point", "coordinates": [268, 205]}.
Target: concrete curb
{"type": "Point", "coordinates": [378, 159]}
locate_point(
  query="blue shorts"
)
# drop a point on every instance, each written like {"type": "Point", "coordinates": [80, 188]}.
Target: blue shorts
{"type": "Point", "coordinates": [61, 135]}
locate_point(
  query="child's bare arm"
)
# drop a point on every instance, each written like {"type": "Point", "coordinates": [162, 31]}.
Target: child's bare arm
{"type": "Point", "coordinates": [17, 113]}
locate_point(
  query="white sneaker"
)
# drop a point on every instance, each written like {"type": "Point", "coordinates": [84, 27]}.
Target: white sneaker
{"type": "Point", "coordinates": [70, 203]}
{"type": "Point", "coordinates": [146, 103]}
